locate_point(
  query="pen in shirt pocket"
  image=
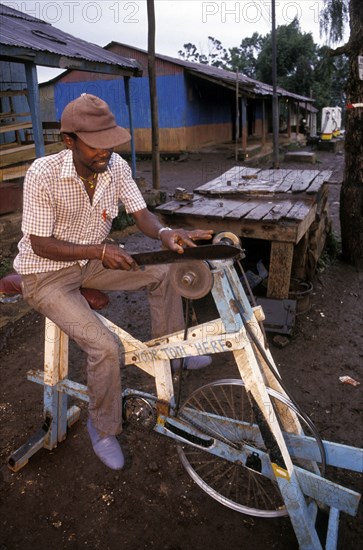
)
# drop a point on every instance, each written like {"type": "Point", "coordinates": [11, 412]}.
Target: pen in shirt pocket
{"type": "Point", "coordinates": [105, 214]}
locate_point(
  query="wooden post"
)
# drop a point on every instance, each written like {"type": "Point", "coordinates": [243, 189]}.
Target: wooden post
{"type": "Point", "coordinates": [131, 125]}
{"type": "Point", "coordinates": [264, 123]}
{"type": "Point", "coordinates": [280, 270]}
{"type": "Point", "coordinates": [244, 124]}
{"type": "Point", "coordinates": [55, 369]}
{"type": "Point", "coordinates": [153, 95]}
{"type": "Point", "coordinates": [237, 120]}
{"type": "Point", "coordinates": [34, 105]}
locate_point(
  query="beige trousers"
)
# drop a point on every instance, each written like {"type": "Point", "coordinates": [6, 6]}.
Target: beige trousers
{"type": "Point", "coordinates": [57, 296]}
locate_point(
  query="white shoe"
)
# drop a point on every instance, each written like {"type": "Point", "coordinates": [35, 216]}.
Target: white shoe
{"type": "Point", "coordinates": [192, 363]}
{"type": "Point", "coordinates": [106, 448]}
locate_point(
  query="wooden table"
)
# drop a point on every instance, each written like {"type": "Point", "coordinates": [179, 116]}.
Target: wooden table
{"type": "Point", "coordinates": [279, 206]}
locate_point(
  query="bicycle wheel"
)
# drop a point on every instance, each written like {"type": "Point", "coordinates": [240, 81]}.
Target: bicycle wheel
{"type": "Point", "coordinates": [234, 485]}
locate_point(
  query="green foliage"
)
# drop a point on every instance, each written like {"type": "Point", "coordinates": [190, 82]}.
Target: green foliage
{"type": "Point", "coordinates": [303, 67]}
{"type": "Point", "coordinates": [330, 77]}
{"type": "Point", "coordinates": [123, 220]}
{"type": "Point", "coordinates": [296, 56]}
{"type": "Point", "coordinates": [332, 251]}
{"type": "Point", "coordinates": [5, 267]}
{"type": "Point", "coordinates": [333, 19]}
{"type": "Point", "coordinates": [244, 57]}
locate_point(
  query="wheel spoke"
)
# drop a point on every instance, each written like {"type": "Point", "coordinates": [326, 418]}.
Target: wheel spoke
{"type": "Point", "coordinates": [233, 484]}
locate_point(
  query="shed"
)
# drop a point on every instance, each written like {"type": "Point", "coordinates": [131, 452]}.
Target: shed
{"type": "Point", "coordinates": [197, 103]}
{"type": "Point", "coordinates": [26, 42]}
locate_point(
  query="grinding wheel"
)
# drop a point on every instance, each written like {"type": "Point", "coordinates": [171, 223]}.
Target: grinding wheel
{"type": "Point", "coordinates": [226, 237]}
{"type": "Point", "coordinates": [191, 280]}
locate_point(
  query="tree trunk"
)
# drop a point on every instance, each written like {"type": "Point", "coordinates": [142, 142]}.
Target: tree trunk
{"type": "Point", "coordinates": [153, 95]}
{"type": "Point", "coordinates": [351, 196]}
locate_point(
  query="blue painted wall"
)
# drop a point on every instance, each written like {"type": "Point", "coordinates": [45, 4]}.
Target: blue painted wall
{"type": "Point", "coordinates": [179, 104]}
{"type": "Point", "coordinates": [208, 103]}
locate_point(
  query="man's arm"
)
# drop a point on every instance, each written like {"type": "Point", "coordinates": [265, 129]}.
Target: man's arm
{"type": "Point", "coordinates": [112, 256]}
{"type": "Point", "coordinates": [150, 225]}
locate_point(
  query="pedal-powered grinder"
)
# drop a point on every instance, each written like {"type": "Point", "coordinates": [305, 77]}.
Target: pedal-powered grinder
{"type": "Point", "coordinates": [193, 279]}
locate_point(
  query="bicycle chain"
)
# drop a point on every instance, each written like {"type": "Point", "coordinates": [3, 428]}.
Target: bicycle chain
{"type": "Point", "coordinates": [211, 434]}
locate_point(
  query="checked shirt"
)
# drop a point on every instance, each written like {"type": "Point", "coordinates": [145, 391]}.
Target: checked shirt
{"type": "Point", "coordinates": [55, 204]}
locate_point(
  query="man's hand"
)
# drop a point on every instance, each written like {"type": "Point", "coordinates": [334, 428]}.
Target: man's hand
{"type": "Point", "coordinates": [178, 239]}
{"type": "Point", "coordinates": [115, 257]}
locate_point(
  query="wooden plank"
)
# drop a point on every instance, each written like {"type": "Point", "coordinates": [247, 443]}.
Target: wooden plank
{"type": "Point", "coordinates": [13, 172]}
{"type": "Point", "coordinates": [25, 153]}
{"type": "Point", "coordinates": [239, 190]}
{"type": "Point", "coordinates": [11, 93]}
{"type": "Point", "coordinates": [242, 209]}
{"type": "Point", "coordinates": [173, 206]}
{"type": "Point", "coordinates": [273, 176]}
{"type": "Point", "coordinates": [306, 223]}
{"type": "Point", "coordinates": [10, 114]}
{"type": "Point", "coordinates": [267, 231]}
{"type": "Point", "coordinates": [301, 179]}
{"type": "Point", "coordinates": [278, 282]}
{"type": "Point", "coordinates": [317, 182]}
{"type": "Point", "coordinates": [234, 175]}
{"type": "Point", "coordinates": [7, 150]}
{"type": "Point", "coordinates": [299, 211]}
{"type": "Point", "coordinates": [280, 210]}
{"type": "Point", "coordinates": [198, 207]}
{"type": "Point", "coordinates": [260, 211]}
{"type": "Point", "coordinates": [16, 126]}
{"type": "Point", "coordinates": [219, 209]}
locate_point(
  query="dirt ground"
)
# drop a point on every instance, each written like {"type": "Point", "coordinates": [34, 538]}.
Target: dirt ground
{"type": "Point", "coordinates": [67, 499]}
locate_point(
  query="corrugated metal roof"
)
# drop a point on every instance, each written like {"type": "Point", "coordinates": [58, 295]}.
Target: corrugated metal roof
{"type": "Point", "coordinates": [249, 84]}
{"type": "Point", "coordinates": [29, 36]}
{"type": "Point", "coordinates": [227, 77]}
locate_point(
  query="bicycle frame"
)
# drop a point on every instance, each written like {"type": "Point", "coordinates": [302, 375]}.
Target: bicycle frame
{"type": "Point", "coordinates": [237, 331]}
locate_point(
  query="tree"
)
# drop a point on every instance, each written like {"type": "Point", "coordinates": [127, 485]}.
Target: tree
{"type": "Point", "coordinates": [244, 57]}
{"type": "Point", "coordinates": [215, 57]}
{"type": "Point", "coordinates": [296, 58]}
{"type": "Point", "coordinates": [351, 195]}
{"type": "Point", "coordinates": [330, 77]}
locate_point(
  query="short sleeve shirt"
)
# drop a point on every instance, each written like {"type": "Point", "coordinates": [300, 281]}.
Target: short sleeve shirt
{"type": "Point", "coordinates": [56, 204]}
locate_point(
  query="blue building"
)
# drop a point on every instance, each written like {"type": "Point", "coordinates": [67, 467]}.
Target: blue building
{"type": "Point", "coordinates": [196, 103]}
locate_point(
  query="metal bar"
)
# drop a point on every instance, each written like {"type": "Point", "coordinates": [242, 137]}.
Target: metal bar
{"type": "Point", "coordinates": [337, 454]}
{"type": "Point", "coordinates": [67, 386]}
{"type": "Point", "coordinates": [62, 397]}
{"type": "Point", "coordinates": [333, 528]}
{"type": "Point", "coordinates": [298, 511]}
{"type": "Point", "coordinates": [21, 456]}
{"type": "Point", "coordinates": [326, 491]}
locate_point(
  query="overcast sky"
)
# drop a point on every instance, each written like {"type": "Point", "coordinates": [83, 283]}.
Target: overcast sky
{"type": "Point", "coordinates": [177, 21]}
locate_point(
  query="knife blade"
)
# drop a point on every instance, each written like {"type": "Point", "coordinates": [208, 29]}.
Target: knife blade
{"type": "Point", "coordinates": [202, 252]}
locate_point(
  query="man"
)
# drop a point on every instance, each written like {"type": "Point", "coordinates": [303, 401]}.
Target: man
{"type": "Point", "coordinates": [70, 200]}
